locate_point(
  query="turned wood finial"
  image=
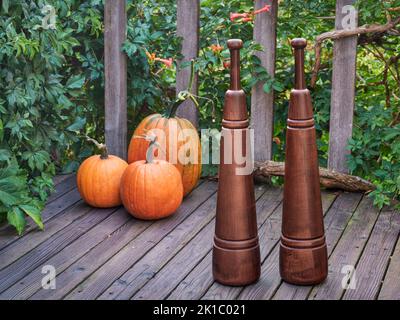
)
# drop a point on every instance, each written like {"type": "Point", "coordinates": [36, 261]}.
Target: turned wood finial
{"type": "Point", "coordinates": [298, 45]}
{"type": "Point", "coordinates": [234, 46]}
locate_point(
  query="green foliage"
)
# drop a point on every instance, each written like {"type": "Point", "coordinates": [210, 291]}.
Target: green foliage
{"type": "Point", "coordinates": [47, 77]}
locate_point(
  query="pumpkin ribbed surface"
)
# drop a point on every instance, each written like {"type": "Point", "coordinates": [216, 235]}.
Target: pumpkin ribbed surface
{"type": "Point", "coordinates": [151, 191]}
{"type": "Point", "coordinates": [98, 180]}
{"type": "Point", "coordinates": [179, 141]}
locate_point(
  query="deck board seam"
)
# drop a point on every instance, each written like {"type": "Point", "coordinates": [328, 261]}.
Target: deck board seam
{"type": "Point", "coordinates": [387, 267]}
{"type": "Point", "coordinates": [155, 244]}
{"type": "Point", "coordinates": [205, 255]}
{"type": "Point", "coordinates": [265, 221]}
{"type": "Point", "coordinates": [52, 255]}
{"type": "Point", "coordinates": [340, 237]}
{"type": "Point", "coordinates": [363, 249]}
{"type": "Point", "coordinates": [34, 227]}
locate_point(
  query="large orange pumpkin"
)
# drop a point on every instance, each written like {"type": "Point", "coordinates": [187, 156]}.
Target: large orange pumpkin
{"type": "Point", "coordinates": [99, 178]}
{"type": "Point", "coordinates": [179, 141]}
{"type": "Point", "coordinates": [151, 190]}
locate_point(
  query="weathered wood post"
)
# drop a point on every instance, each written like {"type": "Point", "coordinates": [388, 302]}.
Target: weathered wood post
{"type": "Point", "coordinates": [262, 104]}
{"type": "Point", "coordinates": [236, 254]}
{"type": "Point", "coordinates": [115, 77]}
{"type": "Point", "coordinates": [188, 25]}
{"type": "Point", "coordinates": [343, 87]}
{"type": "Point", "coordinates": [303, 253]}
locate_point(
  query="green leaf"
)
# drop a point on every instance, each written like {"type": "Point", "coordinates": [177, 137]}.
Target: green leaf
{"type": "Point", "coordinates": [34, 213]}
{"type": "Point", "coordinates": [7, 198]}
{"type": "Point", "coordinates": [75, 82]}
{"type": "Point", "coordinates": [267, 87]}
{"type": "Point", "coordinates": [16, 218]}
{"type": "Point", "coordinates": [278, 86]}
{"type": "Point", "coordinates": [77, 125]}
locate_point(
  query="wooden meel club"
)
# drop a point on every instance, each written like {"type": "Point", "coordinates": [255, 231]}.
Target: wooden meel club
{"type": "Point", "coordinates": [236, 252]}
{"type": "Point", "coordinates": [303, 253]}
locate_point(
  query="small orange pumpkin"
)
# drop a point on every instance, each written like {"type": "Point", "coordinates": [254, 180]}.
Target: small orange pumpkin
{"type": "Point", "coordinates": [99, 178]}
{"type": "Point", "coordinates": [151, 189]}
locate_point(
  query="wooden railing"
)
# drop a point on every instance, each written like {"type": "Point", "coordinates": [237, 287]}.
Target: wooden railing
{"type": "Point", "coordinates": [188, 15]}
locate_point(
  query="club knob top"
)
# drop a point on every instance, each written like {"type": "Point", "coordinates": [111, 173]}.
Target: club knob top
{"type": "Point", "coordinates": [235, 44]}
{"type": "Point", "coordinates": [299, 43]}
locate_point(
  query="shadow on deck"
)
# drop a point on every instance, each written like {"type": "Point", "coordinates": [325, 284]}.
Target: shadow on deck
{"type": "Point", "coordinates": [107, 254]}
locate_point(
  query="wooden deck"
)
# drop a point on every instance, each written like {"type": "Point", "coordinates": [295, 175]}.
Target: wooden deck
{"type": "Point", "coordinates": [106, 254]}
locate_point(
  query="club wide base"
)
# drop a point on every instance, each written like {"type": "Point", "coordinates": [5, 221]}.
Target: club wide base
{"type": "Point", "coordinates": [303, 262]}
{"type": "Point", "coordinates": [236, 263]}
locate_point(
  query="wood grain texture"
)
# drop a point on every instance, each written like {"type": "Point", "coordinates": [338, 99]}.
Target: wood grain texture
{"type": "Point", "coordinates": [18, 248]}
{"type": "Point", "coordinates": [303, 256]}
{"type": "Point", "coordinates": [36, 257]}
{"type": "Point", "coordinates": [94, 259]}
{"type": "Point", "coordinates": [347, 251]}
{"type": "Point", "coordinates": [271, 279]}
{"type": "Point", "coordinates": [335, 222]}
{"type": "Point", "coordinates": [99, 281]}
{"type": "Point", "coordinates": [187, 27]}
{"type": "Point", "coordinates": [235, 238]}
{"type": "Point", "coordinates": [343, 94]}
{"type": "Point", "coordinates": [200, 279]}
{"type": "Point", "coordinates": [8, 234]}
{"type": "Point", "coordinates": [262, 104]}
{"type": "Point", "coordinates": [159, 257]}
{"type": "Point", "coordinates": [31, 283]}
{"type": "Point", "coordinates": [115, 65]}
{"type": "Point", "coordinates": [61, 186]}
{"type": "Point", "coordinates": [62, 177]}
{"type": "Point", "coordinates": [371, 268]}
{"type": "Point", "coordinates": [391, 285]}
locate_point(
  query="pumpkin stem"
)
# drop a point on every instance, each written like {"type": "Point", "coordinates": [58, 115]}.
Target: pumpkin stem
{"type": "Point", "coordinates": [101, 146]}
{"type": "Point", "coordinates": [153, 145]}
{"type": "Point", "coordinates": [184, 95]}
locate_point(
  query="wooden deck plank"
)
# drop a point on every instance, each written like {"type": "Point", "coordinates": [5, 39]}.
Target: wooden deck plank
{"type": "Point", "coordinates": [391, 284]}
{"type": "Point", "coordinates": [270, 279]}
{"type": "Point", "coordinates": [115, 267]}
{"type": "Point", "coordinates": [372, 265]}
{"type": "Point", "coordinates": [335, 222]}
{"type": "Point", "coordinates": [79, 270]}
{"type": "Point", "coordinates": [8, 235]}
{"type": "Point", "coordinates": [19, 248]}
{"type": "Point", "coordinates": [63, 187]}
{"type": "Point", "coordinates": [269, 234]}
{"type": "Point", "coordinates": [197, 282]}
{"type": "Point", "coordinates": [31, 283]}
{"type": "Point", "coordinates": [61, 177]}
{"type": "Point", "coordinates": [169, 277]}
{"type": "Point", "coordinates": [36, 257]}
{"type": "Point", "coordinates": [348, 250]}
{"type": "Point", "coordinates": [137, 276]}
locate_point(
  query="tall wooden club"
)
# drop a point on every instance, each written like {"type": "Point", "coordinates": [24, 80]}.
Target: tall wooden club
{"type": "Point", "coordinates": [303, 254]}
{"type": "Point", "coordinates": [236, 252]}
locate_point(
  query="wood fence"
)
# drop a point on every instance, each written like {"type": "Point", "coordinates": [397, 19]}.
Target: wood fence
{"type": "Point", "coordinates": [262, 104]}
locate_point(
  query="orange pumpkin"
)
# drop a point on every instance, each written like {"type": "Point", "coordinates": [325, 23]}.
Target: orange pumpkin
{"type": "Point", "coordinates": [99, 178]}
{"type": "Point", "coordinates": [151, 190]}
{"type": "Point", "coordinates": [179, 141]}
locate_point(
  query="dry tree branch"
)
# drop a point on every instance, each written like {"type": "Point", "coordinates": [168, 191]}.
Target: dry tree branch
{"type": "Point", "coordinates": [329, 179]}
{"type": "Point", "coordinates": [339, 34]}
